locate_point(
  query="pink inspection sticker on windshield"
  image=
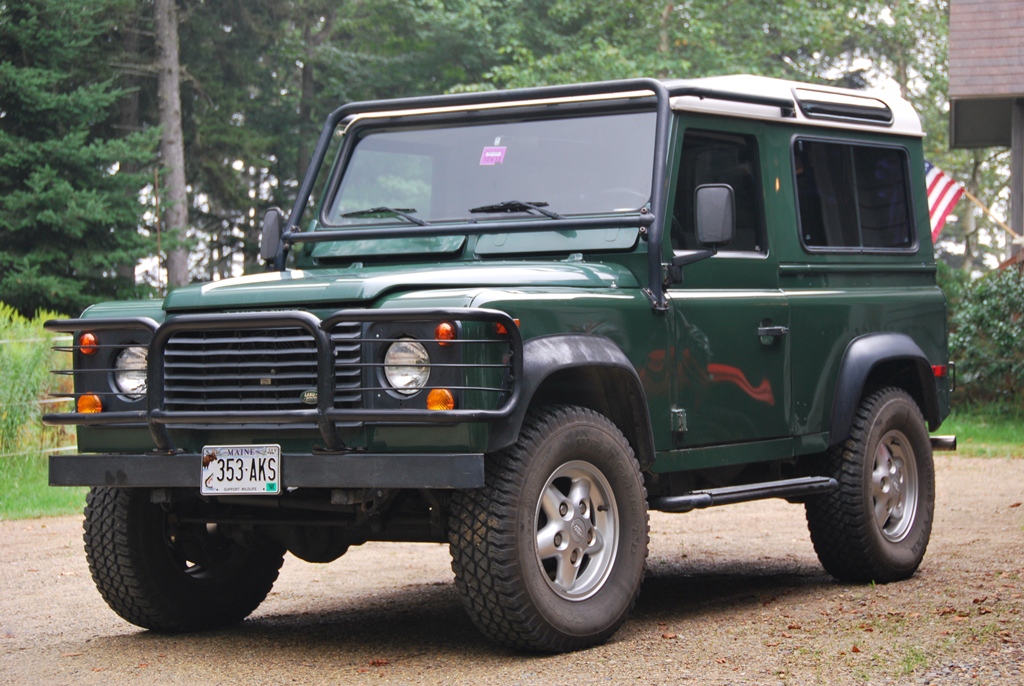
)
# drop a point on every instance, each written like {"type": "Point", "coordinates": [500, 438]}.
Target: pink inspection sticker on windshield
{"type": "Point", "coordinates": [492, 155]}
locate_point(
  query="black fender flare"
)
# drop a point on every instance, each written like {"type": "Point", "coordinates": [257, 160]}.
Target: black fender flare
{"type": "Point", "coordinates": [546, 356]}
{"type": "Point", "coordinates": [862, 356]}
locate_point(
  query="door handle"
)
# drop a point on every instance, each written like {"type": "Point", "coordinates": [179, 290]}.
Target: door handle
{"type": "Point", "coordinates": [768, 334]}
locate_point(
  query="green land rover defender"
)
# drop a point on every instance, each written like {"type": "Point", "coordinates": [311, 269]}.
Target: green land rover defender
{"type": "Point", "coordinates": [515, 322]}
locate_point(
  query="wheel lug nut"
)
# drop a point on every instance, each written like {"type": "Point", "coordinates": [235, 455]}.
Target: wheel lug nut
{"type": "Point", "coordinates": [575, 556]}
{"type": "Point", "coordinates": [563, 509]}
{"type": "Point", "coordinates": [558, 539]}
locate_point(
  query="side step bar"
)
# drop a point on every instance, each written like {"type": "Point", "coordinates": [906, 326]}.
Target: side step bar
{"type": "Point", "coordinates": [786, 488]}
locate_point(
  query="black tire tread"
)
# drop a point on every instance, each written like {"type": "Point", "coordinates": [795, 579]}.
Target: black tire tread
{"type": "Point", "coordinates": [126, 578]}
{"type": "Point", "coordinates": [487, 571]}
{"type": "Point", "coordinates": [838, 522]}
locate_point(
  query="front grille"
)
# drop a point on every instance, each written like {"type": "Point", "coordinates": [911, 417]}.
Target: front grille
{"type": "Point", "coordinates": [256, 370]}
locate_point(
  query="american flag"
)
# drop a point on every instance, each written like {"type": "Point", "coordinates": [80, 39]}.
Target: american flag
{"type": "Point", "coordinates": [943, 194]}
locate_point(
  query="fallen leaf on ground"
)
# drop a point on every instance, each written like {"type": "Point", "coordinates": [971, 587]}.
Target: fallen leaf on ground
{"type": "Point", "coordinates": [70, 654]}
{"type": "Point", "coordinates": [854, 649]}
{"type": "Point", "coordinates": [668, 636]}
{"type": "Point", "coordinates": [1015, 505]}
{"type": "Point", "coordinates": [379, 663]}
{"type": "Point", "coordinates": [793, 626]}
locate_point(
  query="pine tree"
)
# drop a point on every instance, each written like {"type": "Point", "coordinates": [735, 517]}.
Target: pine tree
{"type": "Point", "coordinates": [69, 212]}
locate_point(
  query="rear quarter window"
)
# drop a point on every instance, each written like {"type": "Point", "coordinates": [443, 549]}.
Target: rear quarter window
{"type": "Point", "coordinates": [853, 197]}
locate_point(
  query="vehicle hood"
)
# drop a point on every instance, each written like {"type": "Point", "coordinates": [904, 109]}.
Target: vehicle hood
{"type": "Point", "coordinates": [342, 287]}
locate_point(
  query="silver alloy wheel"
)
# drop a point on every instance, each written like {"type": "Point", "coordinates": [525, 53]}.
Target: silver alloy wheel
{"type": "Point", "coordinates": [577, 525]}
{"type": "Point", "coordinates": [894, 486]}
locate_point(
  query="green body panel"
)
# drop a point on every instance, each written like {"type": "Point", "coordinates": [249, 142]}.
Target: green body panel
{"type": "Point", "coordinates": [624, 316]}
{"type": "Point", "coordinates": [153, 309]}
{"type": "Point", "coordinates": [724, 455]}
{"type": "Point", "coordinates": [833, 316]}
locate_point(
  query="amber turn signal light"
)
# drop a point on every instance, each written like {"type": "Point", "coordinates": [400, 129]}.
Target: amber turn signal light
{"type": "Point", "coordinates": [500, 329]}
{"type": "Point", "coordinates": [88, 343]}
{"type": "Point", "coordinates": [444, 333]}
{"type": "Point", "coordinates": [89, 403]}
{"type": "Point", "coordinates": [440, 399]}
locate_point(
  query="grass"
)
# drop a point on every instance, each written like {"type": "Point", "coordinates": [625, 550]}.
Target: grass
{"type": "Point", "coordinates": [913, 658]}
{"type": "Point", "coordinates": [25, 492]}
{"type": "Point", "coordinates": [991, 430]}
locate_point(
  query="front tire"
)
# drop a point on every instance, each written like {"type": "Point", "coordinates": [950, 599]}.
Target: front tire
{"type": "Point", "coordinates": [876, 526]}
{"type": "Point", "coordinates": [550, 554]}
{"type": "Point", "coordinates": [171, 577]}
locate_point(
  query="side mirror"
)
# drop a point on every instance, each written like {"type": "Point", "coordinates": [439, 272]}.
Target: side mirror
{"type": "Point", "coordinates": [270, 239]}
{"type": "Point", "coordinates": [715, 216]}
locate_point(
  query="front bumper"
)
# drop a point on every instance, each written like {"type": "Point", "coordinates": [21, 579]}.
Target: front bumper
{"type": "Point", "coordinates": [350, 470]}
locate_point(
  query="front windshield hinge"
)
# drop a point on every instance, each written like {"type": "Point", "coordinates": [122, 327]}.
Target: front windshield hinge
{"type": "Point", "coordinates": [575, 257]}
{"type": "Point", "coordinates": [656, 304]}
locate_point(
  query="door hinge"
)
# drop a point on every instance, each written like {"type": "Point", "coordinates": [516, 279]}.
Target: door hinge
{"type": "Point", "coordinates": [678, 421]}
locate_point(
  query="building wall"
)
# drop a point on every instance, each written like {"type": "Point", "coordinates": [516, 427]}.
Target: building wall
{"type": "Point", "coordinates": [986, 48]}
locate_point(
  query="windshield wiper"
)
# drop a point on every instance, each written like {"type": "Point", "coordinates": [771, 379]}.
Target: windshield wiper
{"type": "Point", "coordinates": [382, 212]}
{"type": "Point", "coordinates": [518, 206]}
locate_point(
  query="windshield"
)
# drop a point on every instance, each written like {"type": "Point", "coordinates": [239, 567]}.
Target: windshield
{"type": "Point", "coordinates": [568, 166]}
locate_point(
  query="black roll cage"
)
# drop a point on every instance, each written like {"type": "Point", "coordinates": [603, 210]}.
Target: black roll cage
{"type": "Point", "coordinates": [650, 223]}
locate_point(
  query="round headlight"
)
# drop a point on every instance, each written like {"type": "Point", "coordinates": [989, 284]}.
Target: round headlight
{"type": "Point", "coordinates": [405, 366]}
{"type": "Point", "coordinates": [130, 371]}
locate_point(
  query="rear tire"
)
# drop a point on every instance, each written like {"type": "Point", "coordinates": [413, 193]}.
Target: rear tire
{"type": "Point", "coordinates": [876, 526]}
{"type": "Point", "coordinates": [550, 554]}
{"type": "Point", "coordinates": [167, 577]}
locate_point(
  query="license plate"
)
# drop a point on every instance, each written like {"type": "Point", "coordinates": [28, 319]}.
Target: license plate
{"type": "Point", "coordinates": [241, 470]}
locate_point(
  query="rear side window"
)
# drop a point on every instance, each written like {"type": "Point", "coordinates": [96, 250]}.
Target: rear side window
{"type": "Point", "coordinates": [853, 196]}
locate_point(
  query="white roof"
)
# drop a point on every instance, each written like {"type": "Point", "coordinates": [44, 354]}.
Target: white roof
{"type": "Point", "coordinates": [904, 119]}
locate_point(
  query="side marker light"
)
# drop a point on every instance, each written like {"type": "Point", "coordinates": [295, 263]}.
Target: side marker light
{"type": "Point", "coordinates": [88, 343]}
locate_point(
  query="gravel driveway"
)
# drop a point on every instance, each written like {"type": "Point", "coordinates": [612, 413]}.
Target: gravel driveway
{"type": "Point", "coordinates": [733, 595]}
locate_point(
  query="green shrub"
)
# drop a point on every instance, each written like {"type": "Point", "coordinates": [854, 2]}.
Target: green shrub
{"type": "Point", "coordinates": [987, 338]}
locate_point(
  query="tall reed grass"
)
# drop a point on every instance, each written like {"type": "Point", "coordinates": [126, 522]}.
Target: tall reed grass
{"type": "Point", "coordinates": [25, 385]}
